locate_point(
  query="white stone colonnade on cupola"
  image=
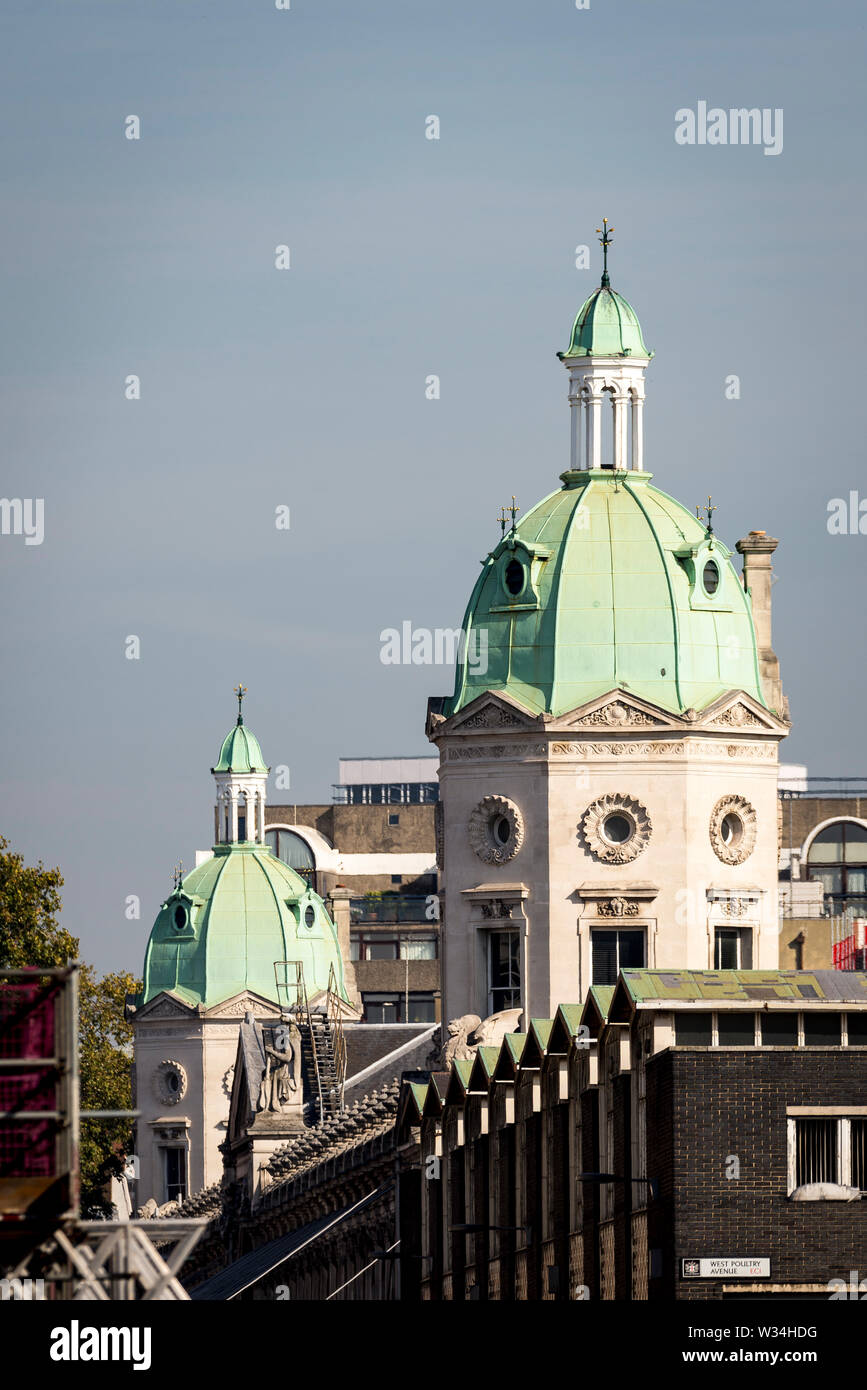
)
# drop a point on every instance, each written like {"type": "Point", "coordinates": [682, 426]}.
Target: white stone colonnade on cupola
{"type": "Point", "coordinates": [240, 805]}
{"type": "Point", "coordinates": [607, 383]}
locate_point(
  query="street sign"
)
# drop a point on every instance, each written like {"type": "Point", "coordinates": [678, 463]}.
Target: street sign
{"type": "Point", "coordinates": [722, 1267]}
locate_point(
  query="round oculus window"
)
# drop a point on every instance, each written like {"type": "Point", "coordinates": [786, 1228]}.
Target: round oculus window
{"type": "Point", "coordinates": [710, 577]}
{"type": "Point", "coordinates": [309, 915]}
{"type": "Point", "coordinates": [514, 577]}
{"type": "Point", "coordinates": [496, 829]}
{"type": "Point", "coordinates": [733, 828]}
{"type": "Point", "coordinates": [617, 829]}
{"type": "Point", "coordinates": [179, 917]}
{"type": "Point", "coordinates": [502, 829]}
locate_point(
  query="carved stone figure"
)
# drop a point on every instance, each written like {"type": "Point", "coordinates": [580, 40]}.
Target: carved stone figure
{"type": "Point", "coordinates": [279, 1086]}
{"type": "Point", "coordinates": [458, 1047]}
{"type": "Point", "coordinates": [469, 1033]}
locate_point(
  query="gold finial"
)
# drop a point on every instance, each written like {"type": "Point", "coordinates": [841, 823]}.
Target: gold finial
{"type": "Point", "coordinates": [178, 874]}
{"type": "Point", "coordinates": [502, 520]}
{"type": "Point", "coordinates": [707, 517]}
{"type": "Point", "coordinates": [605, 241]}
{"type": "Point", "coordinates": [240, 691]}
{"type": "Point", "coordinates": [514, 511]}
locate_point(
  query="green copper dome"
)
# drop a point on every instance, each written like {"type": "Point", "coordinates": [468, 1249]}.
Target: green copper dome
{"type": "Point", "coordinates": [608, 583]}
{"type": "Point", "coordinates": [606, 326]}
{"type": "Point", "coordinates": [240, 751]}
{"type": "Point", "coordinates": [222, 930]}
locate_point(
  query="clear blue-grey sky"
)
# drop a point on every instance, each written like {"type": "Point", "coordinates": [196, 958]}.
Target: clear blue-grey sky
{"type": "Point", "coordinates": [306, 387]}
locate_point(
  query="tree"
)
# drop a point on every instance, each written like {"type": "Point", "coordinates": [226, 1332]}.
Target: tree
{"type": "Point", "coordinates": [105, 1062]}
{"type": "Point", "coordinates": [31, 935]}
{"type": "Point", "coordinates": [29, 902]}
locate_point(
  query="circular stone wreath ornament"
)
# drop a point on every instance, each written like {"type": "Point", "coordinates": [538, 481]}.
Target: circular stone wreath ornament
{"type": "Point", "coordinates": [616, 828]}
{"type": "Point", "coordinates": [733, 829]}
{"type": "Point", "coordinates": [170, 1082]}
{"type": "Point", "coordinates": [496, 829]}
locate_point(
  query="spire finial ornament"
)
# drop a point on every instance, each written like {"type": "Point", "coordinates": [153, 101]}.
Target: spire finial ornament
{"type": "Point", "coordinates": [178, 875]}
{"type": "Point", "coordinates": [240, 691]}
{"type": "Point", "coordinates": [707, 518]}
{"type": "Point", "coordinates": [513, 511]}
{"type": "Point", "coordinates": [605, 242]}
{"type": "Point", "coordinates": [502, 520]}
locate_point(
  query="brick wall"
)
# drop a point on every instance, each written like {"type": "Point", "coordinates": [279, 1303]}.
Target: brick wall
{"type": "Point", "coordinates": [704, 1105]}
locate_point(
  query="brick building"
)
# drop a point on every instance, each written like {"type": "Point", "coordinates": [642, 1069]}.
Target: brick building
{"type": "Point", "coordinates": [614, 1151]}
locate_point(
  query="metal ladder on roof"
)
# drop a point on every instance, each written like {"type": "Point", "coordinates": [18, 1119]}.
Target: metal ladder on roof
{"type": "Point", "coordinates": [323, 1046]}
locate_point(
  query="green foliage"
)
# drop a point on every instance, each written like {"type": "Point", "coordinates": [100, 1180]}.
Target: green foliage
{"type": "Point", "coordinates": [31, 935]}
{"type": "Point", "coordinates": [105, 1060]}
{"type": "Point", "coordinates": [29, 902]}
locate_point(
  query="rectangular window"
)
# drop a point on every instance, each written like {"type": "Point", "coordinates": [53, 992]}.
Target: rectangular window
{"type": "Point", "coordinates": [394, 817]}
{"type": "Point", "coordinates": [397, 878]}
{"type": "Point", "coordinates": [736, 1030]}
{"type": "Point", "coordinates": [858, 1147]}
{"type": "Point", "coordinates": [816, 1150]}
{"type": "Point", "coordinates": [693, 1029]}
{"type": "Point", "coordinates": [504, 971]}
{"type": "Point", "coordinates": [396, 1008]}
{"type": "Point", "coordinates": [613, 951]}
{"type": "Point", "coordinates": [418, 948]}
{"type": "Point", "coordinates": [733, 949]}
{"type": "Point", "coordinates": [381, 1008]}
{"type": "Point", "coordinates": [780, 1030]}
{"type": "Point", "coordinates": [828, 1147]}
{"type": "Point", "coordinates": [421, 1009]}
{"type": "Point", "coordinates": [380, 948]}
{"type": "Point", "coordinates": [175, 1174]}
{"type": "Point", "coordinates": [821, 1029]}
{"type": "Point", "coordinates": [857, 1025]}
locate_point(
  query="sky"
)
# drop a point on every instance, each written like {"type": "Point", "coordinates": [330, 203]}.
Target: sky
{"type": "Point", "coordinates": [263, 388]}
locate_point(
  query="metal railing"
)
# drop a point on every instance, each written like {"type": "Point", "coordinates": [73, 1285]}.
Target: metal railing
{"type": "Point", "coordinates": [338, 1040]}
{"type": "Point", "coordinates": [391, 909]}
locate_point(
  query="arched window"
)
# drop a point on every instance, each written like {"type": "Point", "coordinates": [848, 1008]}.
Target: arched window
{"type": "Point", "coordinates": [293, 850]}
{"type": "Point", "coordinates": [837, 858]}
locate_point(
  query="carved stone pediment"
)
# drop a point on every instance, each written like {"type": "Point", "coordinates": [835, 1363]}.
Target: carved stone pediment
{"type": "Point", "coordinates": [488, 712]}
{"type": "Point", "coordinates": [616, 711]}
{"type": "Point", "coordinates": [740, 713]}
{"type": "Point", "coordinates": [164, 1006]}
{"type": "Point", "coordinates": [244, 1003]}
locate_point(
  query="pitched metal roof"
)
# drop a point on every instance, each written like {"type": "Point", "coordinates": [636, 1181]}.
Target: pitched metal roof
{"type": "Point", "coordinates": [257, 1263]}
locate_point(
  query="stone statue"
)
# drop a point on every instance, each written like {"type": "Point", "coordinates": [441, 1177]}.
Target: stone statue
{"type": "Point", "coordinates": [468, 1033]}
{"type": "Point", "coordinates": [458, 1047]}
{"type": "Point", "coordinates": [279, 1086]}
